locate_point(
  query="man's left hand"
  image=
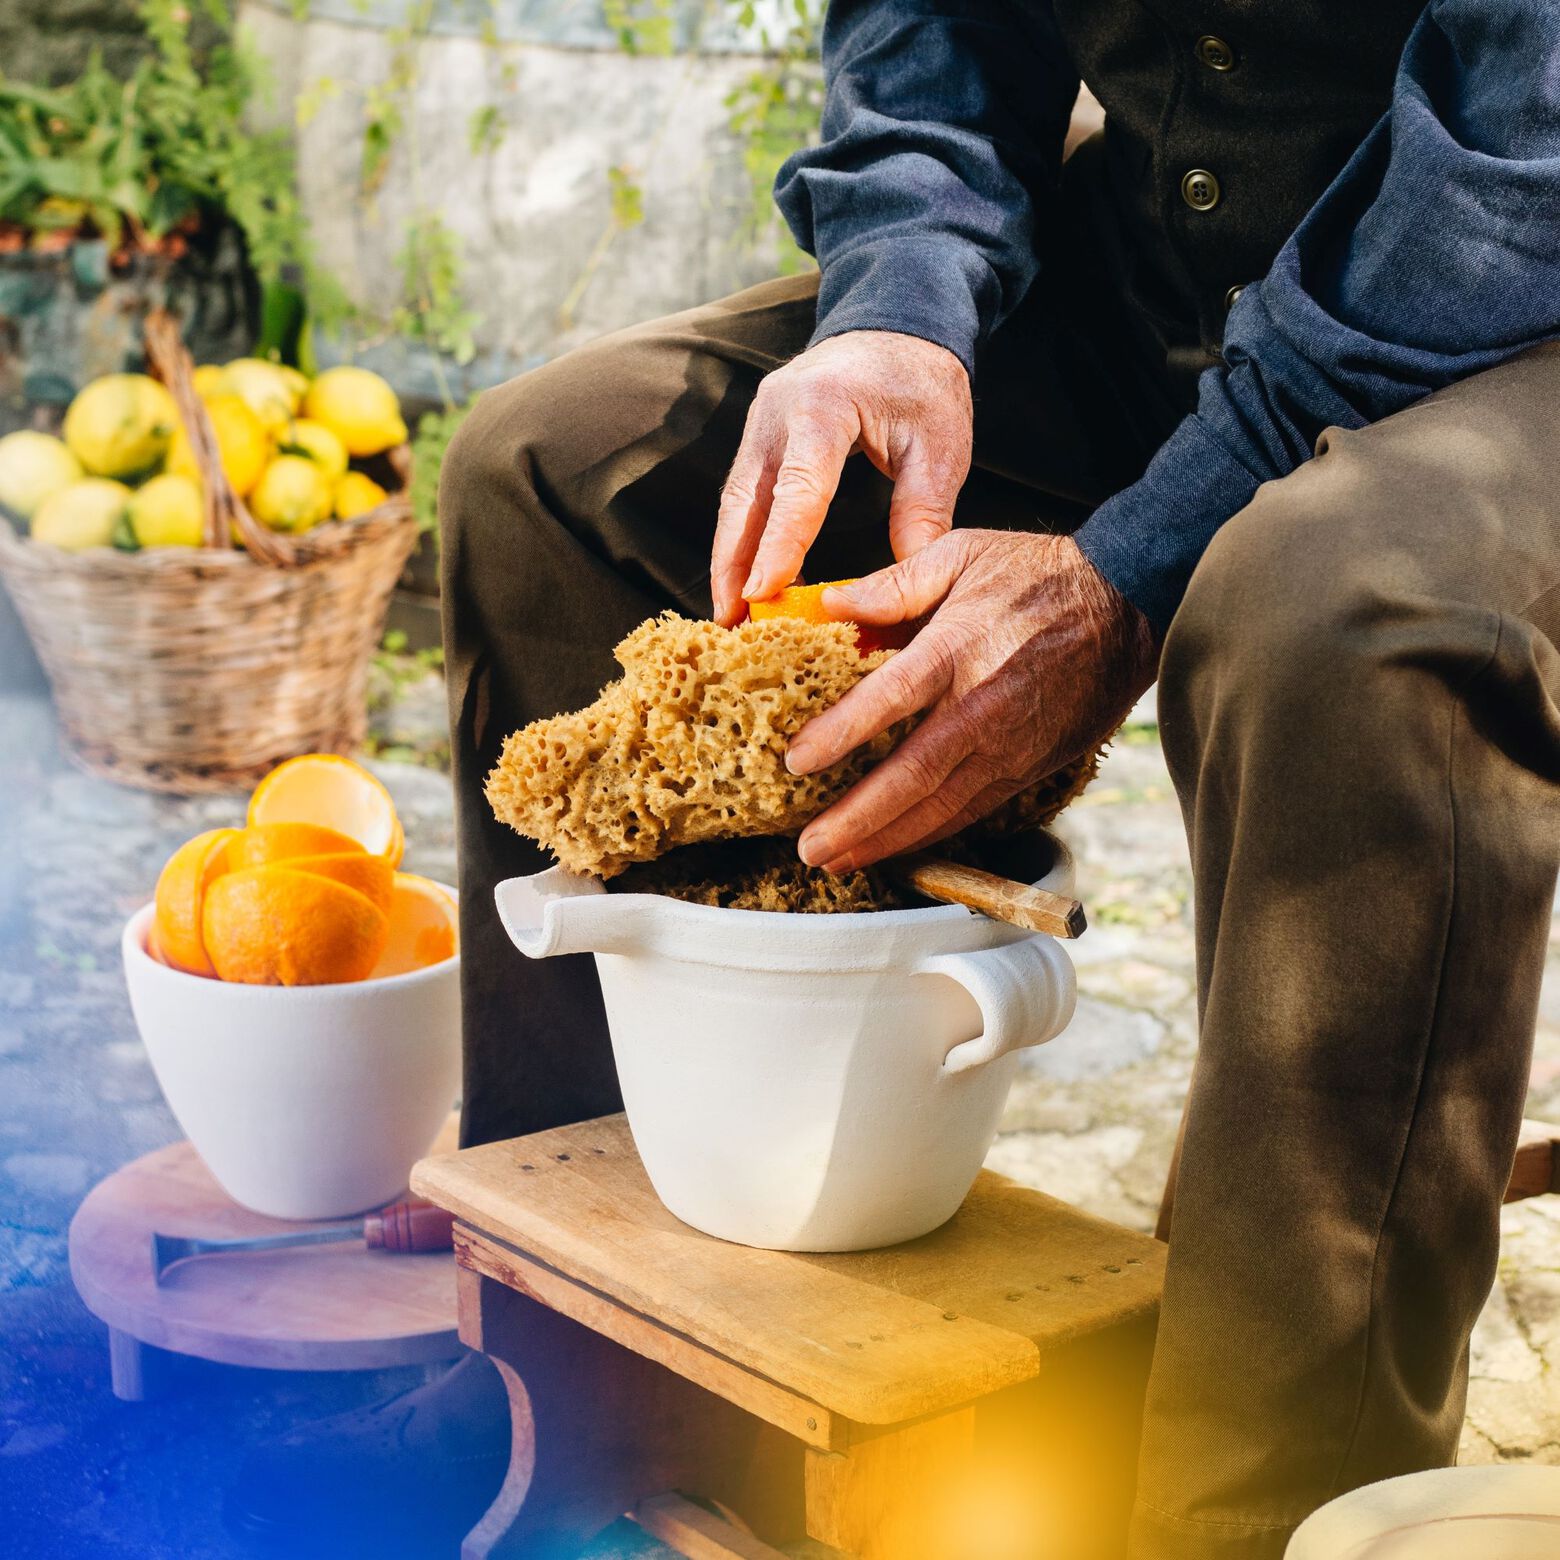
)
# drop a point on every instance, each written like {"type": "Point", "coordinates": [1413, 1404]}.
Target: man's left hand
{"type": "Point", "coordinates": [1030, 659]}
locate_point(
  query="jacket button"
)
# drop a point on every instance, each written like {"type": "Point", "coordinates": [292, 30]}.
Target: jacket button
{"type": "Point", "coordinates": [1200, 190]}
{"type": "Point", "coordinates": [1232, 295]}
{"type": "Point", "coordinates": [1215, 53]}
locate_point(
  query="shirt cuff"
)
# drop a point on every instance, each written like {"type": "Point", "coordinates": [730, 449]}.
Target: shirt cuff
{"type": "Point", "coordinates": [934, 287]}
{"type": "Point", "coordinates": [1147, 539]}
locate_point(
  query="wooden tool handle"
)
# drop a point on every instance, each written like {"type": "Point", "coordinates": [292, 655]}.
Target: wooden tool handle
{"type": "Point", "coordinates": [410, 1226]}
{"type": "Point", "coordinates": [1003, 899]}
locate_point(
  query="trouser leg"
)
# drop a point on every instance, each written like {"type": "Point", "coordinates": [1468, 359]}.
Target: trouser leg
{"type": "Point", "coordinates": [1358, 703]}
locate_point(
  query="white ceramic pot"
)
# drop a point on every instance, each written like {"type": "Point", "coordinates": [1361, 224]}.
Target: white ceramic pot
{"type": "Point", "coordinates": [306, 1102]}
{"type": "Point", "coordinates": [807, 1082]}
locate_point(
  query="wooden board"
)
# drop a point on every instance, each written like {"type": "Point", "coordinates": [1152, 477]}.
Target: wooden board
{"type": "Point", "coordinates": [336, 1307]}
{"type": "Point", "coordinates": [808, 1421]}
{"type": "Point", "coordinates": [1536, 1170]}
{"type": "Point", "coordinates": [878, 1337]}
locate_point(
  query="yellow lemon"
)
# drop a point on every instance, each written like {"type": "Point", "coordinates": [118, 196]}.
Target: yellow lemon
{"type": "Point", "coordinates": [34, 467]}
{"type": "Point", "coordinates": [293, 494]}
{"type": "Point", "coordinates": [356, 495]}
{"type": "Point", "coordinates": [359, 407]}
{"type": "Point", "coordinates": [211, 380]}
{"type": "Point", "coordinates": [273, 392]}
{"type": "Point", "coordinates": [317, 442]}
{"type": "Point", "coordinates": [81, 516]}
{"type": "Point", "coordinates": [167, 512]}
{"type": "Point", "coordinates": [120, 425]}
{"type": "Point", "coordinates": [241, 441]}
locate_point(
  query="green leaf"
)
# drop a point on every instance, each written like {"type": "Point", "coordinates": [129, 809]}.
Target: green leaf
{"type": "Point", "coordinates": [628, 199]}
{"type": "Point", "coordinates": [124, 537]}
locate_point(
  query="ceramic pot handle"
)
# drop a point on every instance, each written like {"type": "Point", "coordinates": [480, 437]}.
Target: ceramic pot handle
{"type": "Point", "coordinates": [1025, 990]}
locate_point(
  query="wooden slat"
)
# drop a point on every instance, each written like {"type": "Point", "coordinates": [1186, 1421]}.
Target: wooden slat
{"type": "Point", "coordinates": [877, 1337]}
{"type": "Point", "coordinates": [1537, 1167]}
{"type": "Point", "coordinates": [807, 1421]}
{"type": "Point", "coordinates": [697, 1533]}
{"type": "Point", "coordinates": [883, 1499]}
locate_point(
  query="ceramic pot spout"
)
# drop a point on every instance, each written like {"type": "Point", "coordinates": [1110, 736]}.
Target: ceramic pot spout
{"type": "Point", "coordinates": [559, 912]}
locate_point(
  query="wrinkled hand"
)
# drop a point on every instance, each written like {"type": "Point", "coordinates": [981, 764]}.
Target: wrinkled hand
{"type": "Point", "coordinates": [1030, 660]}
{"type": "Point", "coordinates": [905, 403]}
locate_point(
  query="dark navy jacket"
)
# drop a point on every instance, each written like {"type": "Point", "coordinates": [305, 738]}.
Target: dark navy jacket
{"type": "Point", "coordinates": [1386, 176]}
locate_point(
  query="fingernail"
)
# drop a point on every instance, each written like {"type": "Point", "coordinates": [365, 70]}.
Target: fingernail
{"type": "Point", "coordinates": [837, 867]}
{"type": "Point", "coordinates": [754, 580]}
{"type": "Point", "coordinates": [798, 757]}
{"type": "Point", "coordinates": [814, 849]}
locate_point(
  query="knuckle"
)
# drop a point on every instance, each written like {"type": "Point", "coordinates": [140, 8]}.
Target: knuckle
{"type": "Point", "coordinates": [918, 770]}
{"type": "Point", "coordinates": [799, 483]}
{"type": "Point", "coordinates": [735, 500]}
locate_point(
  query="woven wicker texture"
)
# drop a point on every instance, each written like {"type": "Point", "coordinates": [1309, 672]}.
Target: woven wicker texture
{"type": "Point", "coordinates": [198, 669]}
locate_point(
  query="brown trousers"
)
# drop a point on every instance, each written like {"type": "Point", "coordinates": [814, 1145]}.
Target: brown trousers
{"type": "Point", "coordinates": [1358, 703]}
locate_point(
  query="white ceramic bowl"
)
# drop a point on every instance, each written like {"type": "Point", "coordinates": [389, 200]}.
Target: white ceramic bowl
{"type": "Point", "coordinates": [808, 1082]}
{"type": "Point", "coordinates": [306, 1102]}
{"type": "Point", "coordinates": [1499, 1512]}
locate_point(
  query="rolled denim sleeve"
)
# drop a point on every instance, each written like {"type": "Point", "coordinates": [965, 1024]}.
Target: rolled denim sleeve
{"type": "Point", "coordinates": [1434, 254]}
{"type": "Point", "coordinates": [943, 126]}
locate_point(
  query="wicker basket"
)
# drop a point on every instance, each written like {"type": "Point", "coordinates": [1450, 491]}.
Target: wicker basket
{"type": "Point", "coordinates": [198, 669]}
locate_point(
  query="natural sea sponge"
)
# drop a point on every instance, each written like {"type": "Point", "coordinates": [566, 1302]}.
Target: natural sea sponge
{"type": "Point", "coordinates": [760, 874]}
{"type": "Point", "coordinates": [689, 746]}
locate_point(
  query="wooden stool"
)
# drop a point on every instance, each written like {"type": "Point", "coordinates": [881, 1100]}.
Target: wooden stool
{"type": "Point", "coordinates": [336, 1307]}
{"type": "Point", "coordinates": [972, 1395]}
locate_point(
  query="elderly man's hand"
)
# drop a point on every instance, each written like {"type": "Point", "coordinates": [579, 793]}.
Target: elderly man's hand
{"type": "Point", "coordinates": [903, 402]}
{"type": "Point", "coordinates": [1030, 659]}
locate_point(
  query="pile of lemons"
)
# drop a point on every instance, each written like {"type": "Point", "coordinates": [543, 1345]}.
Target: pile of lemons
{"type": "Point", "coordinates": [123, 474]}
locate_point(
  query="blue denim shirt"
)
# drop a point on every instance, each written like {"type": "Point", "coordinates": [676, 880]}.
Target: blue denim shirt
{"type": "Point", "coordinates": [1434, 254]}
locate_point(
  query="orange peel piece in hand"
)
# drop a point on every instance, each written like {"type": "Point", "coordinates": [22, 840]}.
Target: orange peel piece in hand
{"type": "Point", "coordinates": [806, 602]}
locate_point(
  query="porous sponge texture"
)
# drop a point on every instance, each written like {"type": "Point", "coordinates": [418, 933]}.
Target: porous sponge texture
{"type": "Point", "coordinates": [688, 745]}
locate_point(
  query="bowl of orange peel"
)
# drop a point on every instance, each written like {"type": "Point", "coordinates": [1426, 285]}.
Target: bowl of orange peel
{"type": "Point", "coordinates": [299, 995]}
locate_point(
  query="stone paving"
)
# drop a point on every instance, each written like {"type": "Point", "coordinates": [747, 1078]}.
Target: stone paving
{"type": "Point", "coordinates": [1092, 1119]}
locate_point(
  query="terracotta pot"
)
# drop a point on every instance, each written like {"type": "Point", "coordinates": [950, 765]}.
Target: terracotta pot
{"type": "Point", "coordinates": [807, 1082]}
{"type": "Point", "coordinates": [306, 1102]}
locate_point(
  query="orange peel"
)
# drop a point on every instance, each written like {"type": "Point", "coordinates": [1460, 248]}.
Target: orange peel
{"type": "Point", "coordinates": [261, 844]}
{"type": "Point", "coordinates": [806, 602]}
{"type": "Point", "coordinates": [332, 792]}
{"type": "Point", "coordinates": [424, 927]}
{"type": "Point", "coordinates": [278, 926]}
{"type": "Point", "coordinates": [180, 899]}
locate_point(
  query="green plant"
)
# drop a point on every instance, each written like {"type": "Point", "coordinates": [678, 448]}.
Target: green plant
{"type": "Point", "coordinates": [429, 443]}
{"type": "Point", "coordinates": [774, 112]}
{"type": "Point", "coordinates": [136, 161]}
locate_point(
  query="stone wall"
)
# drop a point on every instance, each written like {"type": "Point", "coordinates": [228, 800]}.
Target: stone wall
{"type": "Point", "coordinates": [533, 216]}
{"type": "Point", "coordinates": [50, 40]}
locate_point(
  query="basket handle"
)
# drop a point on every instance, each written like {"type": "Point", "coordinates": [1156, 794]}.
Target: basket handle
{"type": "Point", "coordinates": [225, 510]}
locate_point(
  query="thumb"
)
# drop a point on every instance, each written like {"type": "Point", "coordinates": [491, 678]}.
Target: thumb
{"type": "Point", "coordinates": [909, 589]}
{"type": "Point", "coordinates": [921, 507]}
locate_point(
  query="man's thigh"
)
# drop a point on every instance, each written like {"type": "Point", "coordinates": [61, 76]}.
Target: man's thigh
{"type": "Point", "coordinates": [1438, 521]}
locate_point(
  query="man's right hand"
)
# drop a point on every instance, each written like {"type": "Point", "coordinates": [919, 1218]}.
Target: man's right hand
{"type": "Point", "coordinates": [903, 402]}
